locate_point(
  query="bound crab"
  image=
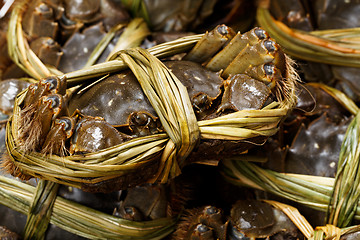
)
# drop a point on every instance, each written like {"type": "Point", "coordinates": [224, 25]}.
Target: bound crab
{"type": "Point", "coordinates": [224, 73]}
{"type": "Point", "coordinates": [248, 219]}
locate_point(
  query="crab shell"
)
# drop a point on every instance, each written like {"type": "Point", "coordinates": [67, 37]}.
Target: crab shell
{"type": "Point", "coordinates": [93, 134]}
{"type": "Point", "coordinates": [135, 208]}
{"type": "Point", "coordinates": [120, 95]}
{"type": "Point", "coordinates": [243, 92]}
{"type": "Point", "coordinates": [9, 89]}
{"type": "Point", "coordinates": [256, 219]}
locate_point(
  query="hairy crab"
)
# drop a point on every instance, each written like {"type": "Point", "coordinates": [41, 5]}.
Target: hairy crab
{"type": "Point", "coordinates": [108, 112]}
{"type": "Point", "coordinates": [248, 219]}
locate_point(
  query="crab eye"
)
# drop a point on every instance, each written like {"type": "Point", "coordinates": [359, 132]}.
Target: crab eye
{"type": "Point", "coordinates": [201, 228]}
{"type": "Point", "coordinates": [269, 69]}
{"type": "Point", "coordinates": [140, 119]}
{"type": "Point", "coordinates": [55, 100]}
{"type": "Point", "coordinates": [50, 42]}
{"type": "Point", "coordinates": [211, 210]}
{"type": "Point", "coordinates": [260, 33]}
{"type": "Point", "coordinates": [129, 210]}
{"type": "Point", "coordinates": [269, 45]}
{"type": "Point", "coordinates": [132, 213]}
{"type": "Point", "coordinates": [52, 81]}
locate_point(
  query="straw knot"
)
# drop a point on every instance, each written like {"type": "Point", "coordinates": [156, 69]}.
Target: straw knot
{"type": "Point", "coordinates": [330, 231]}
{"type": "Point", "coordinates": [172, 104]}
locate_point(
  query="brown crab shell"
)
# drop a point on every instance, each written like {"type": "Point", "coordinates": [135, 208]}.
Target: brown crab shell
{"type": "Point", "coordinates": [119, 95]}
{"type": "Point", "coordinates": [93, 134]}
{"type": "Point", "coordinates": [9, 89]}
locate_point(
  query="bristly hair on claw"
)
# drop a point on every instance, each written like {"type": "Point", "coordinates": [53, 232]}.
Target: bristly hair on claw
{"type": "Point", "coordinates": [285, 89]}
{"type": "Point", "coordinates": [8, 166]}
{"type": "Point", "coordinates": [29, 129]}
{"type": "Point", "coordinates": [56, 147]}
{"type": "Point", "coordinates": [188, 220]}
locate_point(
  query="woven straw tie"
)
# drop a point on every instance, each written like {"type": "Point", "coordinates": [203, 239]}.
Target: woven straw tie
{"type": "Point", "coordinates": [172, 104]}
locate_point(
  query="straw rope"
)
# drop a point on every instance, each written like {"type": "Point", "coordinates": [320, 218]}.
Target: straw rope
{"type": "Point", "coordinates": [40, 210]}
{"type": "Point", "coordinates": [81, 220]}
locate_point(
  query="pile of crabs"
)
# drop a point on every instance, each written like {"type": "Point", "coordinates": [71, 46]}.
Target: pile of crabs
{"type": "Point", "coordinates": [56, 119]}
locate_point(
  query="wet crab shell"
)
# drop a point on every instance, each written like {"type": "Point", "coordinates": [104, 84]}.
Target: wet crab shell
{"type": "Point", "coordinates": [118, 96]}
{"type": "Point", "coordinates": [9, 89]}
{"type": "Point", "coordinates": [256, 219]}
{"type": "Point", "coordinates": [243, 92]}
{"type": "Point", "coordinates": [203, 86]}
{"type": "Point", "coordinates": [133, 207]}
{"type": "Point", "coordinates": [113, 99]}
{"type": "Point", "coordinates": [93, 134]}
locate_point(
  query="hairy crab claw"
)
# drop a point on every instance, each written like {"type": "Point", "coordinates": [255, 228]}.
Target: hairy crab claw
{"type": "Point", "coordinates": [48, 108]}
{"type": "Point", "coordinates": [202, 224]}
{"type": "Point", "coordinates": [202, 232]}
{"type": "Point", "coordinates": [266, 73]}
{"type": "Point", "coordinates": [48, 51]}
{"type": "Point", "coordinates": [61, 130]}
{"type": "Point", "coordinates": [264, 52]}
{"type": "Point", "coordinates": [45, 86]}
{"type": "Point", "coordinates": [210, 44]}
{"type": "Point", "coordinates": [39, 20]}
{"type": "Point", "coordinates": [43, 102]}
{"type": "Point", "coordinates": [224, 57]}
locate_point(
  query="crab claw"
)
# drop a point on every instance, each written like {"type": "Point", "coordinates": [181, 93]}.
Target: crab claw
{"type": "Point", "coordinates": [243, 92]}
{"type": "Point", "coordinates": [202, 224]}
{"type": "Point", "coordinates": [267, 73]}
{"type": "Point", "coordinates": [44, 87]}
{"type": "Point", "coordinates": [33, 134]}
{"type": "Point", "coordinates": [61, 130]}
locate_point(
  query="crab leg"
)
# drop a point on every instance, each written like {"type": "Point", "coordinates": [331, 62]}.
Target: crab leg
{"type": "Point", "coordinates": [222, 59]}
{"type": "Point", "coordinates": [210, 43]}
{"type": "Point", "coordinates": [264, 52]}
